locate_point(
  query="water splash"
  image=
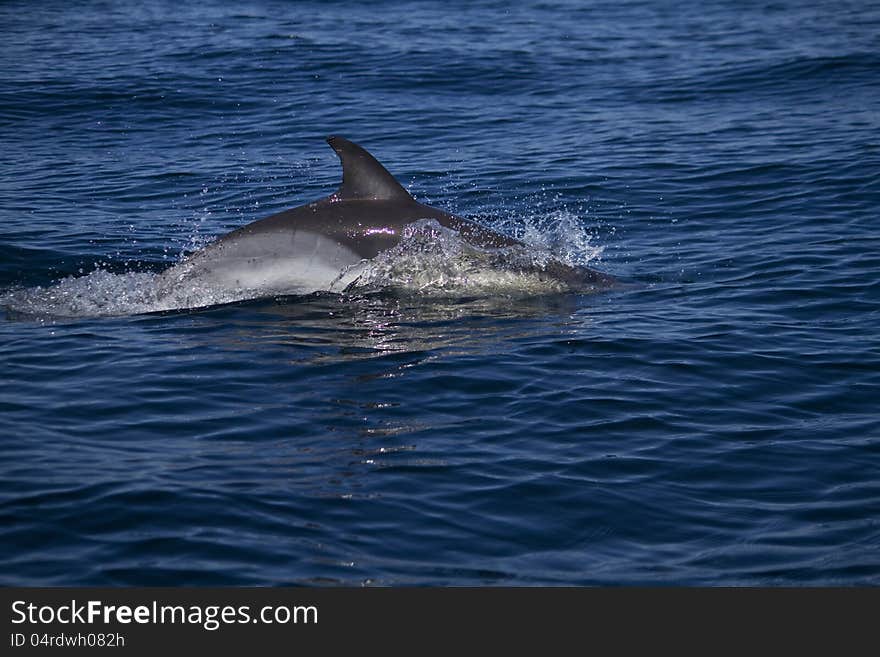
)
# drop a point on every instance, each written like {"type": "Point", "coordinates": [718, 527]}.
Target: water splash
{"type": "Point", "coordinates": [430, 260]}
{"type": "Point", "coordinates": [562, 233]}
{"type": "Point", "coordinates": [101, 293]}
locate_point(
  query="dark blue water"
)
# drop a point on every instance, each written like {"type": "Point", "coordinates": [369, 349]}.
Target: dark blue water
{"type": "Point", "coordinates": [715, 423]}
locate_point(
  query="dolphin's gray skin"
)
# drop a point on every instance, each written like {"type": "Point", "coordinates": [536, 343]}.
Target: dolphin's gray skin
{"type": "Point", "coordinates": [313, 247]}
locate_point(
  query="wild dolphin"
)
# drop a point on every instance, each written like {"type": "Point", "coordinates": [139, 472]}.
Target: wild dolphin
{"type": "Point", "coordinates": [315, 246]}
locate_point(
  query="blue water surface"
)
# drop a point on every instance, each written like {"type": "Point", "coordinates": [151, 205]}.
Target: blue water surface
{"type": "Point", "coordinates": [714, 423]}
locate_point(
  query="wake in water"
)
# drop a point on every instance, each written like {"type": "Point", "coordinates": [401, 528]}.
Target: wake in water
{"type": "Point", "coordinates": [430, 260]}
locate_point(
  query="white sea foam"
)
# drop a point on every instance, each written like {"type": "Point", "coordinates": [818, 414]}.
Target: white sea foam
{"type": "Point", "coordinates": [431, 260]}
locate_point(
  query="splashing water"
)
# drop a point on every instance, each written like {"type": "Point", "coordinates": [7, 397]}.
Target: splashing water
{"type": "Point", "coordinates": [562, 234]}
{"type": "Point", "coordinates": [101, 293]}
{"type": "Point", "coordinates": [430, 260]}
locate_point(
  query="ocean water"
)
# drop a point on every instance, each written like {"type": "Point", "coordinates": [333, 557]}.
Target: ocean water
{"type": "Point", "coordinates": [713, 422]}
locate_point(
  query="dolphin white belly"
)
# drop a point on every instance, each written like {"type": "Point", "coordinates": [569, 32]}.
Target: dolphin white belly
{"type": "Point", "coordinates": [289, 262]}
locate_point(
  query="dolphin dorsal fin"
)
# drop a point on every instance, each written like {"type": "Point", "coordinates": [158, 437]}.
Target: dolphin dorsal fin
{"type": "Point", "coordinates": [363, 178]}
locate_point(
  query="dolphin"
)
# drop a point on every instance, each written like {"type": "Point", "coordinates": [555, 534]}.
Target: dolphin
{"type": "Point", "coordinates": [316, 247]}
